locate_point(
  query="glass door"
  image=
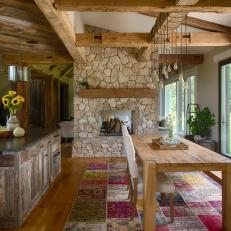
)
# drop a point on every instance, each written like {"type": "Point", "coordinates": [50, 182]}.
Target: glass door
{"type": "Point", "coordinates": [225, 107]}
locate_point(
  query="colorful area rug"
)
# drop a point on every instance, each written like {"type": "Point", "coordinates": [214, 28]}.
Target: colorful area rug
{"type": "Point", "coordinates": [102, 204]}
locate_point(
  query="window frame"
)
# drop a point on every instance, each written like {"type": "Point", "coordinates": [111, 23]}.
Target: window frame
{"type": "Point", "coordinates": [220, 65]}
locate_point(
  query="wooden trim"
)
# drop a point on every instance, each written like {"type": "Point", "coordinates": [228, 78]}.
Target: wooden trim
{"type": "Point", "coordinates": [118, 93]}
{"type": "Point", "coordinates": [218, 6]}
{"type": "Point", "coordinates": [62, 25]}
{"type": "Point", "coordinates": [111, 39]}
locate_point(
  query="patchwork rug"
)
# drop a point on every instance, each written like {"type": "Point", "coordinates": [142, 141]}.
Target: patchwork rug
{"type": "Point", "coordinates": [102, 203]}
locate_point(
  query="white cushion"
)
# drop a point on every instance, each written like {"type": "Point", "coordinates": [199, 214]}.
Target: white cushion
{"type": "Point", "coordinates": [164, 184]}
{"type": "Point", "coordinates": [124, 130]}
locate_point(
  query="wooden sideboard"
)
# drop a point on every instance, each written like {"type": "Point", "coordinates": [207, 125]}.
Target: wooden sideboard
{"type": "Point", "coordinates": [25, 176]}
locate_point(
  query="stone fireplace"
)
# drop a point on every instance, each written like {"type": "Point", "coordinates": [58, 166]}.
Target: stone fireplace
{"type": "Point", "coordinates": [111, 68]}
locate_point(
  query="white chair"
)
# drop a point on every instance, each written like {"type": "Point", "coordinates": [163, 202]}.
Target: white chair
{"type": "Point", "coordinates": [67, 129]}
{"type": "Point", "coordinates": [163, 183]}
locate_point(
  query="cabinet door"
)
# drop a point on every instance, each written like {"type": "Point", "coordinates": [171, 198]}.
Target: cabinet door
{"type": "Point", "coordinates": [25, 171]}
{"type": "Point", "coordinates": [9, 198]}
{"type": "Point", "coordinates": [37, 173]}
{"type": "Point", "coordinates": [46, 167]}
{"type": "Point", "coordinates": [56, 164]}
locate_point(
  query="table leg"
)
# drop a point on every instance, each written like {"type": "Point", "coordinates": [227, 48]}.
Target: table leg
{"type": "Point", "coordinates": [226, 198]}
{"type": "Point", "coordinates": [149, 184]}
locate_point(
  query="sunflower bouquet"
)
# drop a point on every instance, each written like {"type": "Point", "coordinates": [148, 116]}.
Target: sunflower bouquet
{"type": "Point", "coordinates": [13, 102]}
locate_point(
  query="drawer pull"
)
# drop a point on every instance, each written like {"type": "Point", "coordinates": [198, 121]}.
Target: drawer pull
{"type": "Point", "coordinates": [42, 146]}
{"type": "Point", "coordinates": [46, 155]}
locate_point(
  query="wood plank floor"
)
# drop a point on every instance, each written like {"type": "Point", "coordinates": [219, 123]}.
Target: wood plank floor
{"type": "Point", "coordinates": [52, 211]}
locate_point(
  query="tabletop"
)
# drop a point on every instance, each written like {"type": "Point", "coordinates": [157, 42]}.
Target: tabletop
{"type": "Point", "coordinates": [195, 156]}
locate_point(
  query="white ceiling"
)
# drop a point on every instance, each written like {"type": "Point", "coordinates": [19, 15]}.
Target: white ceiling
{"type": "Point", "coordinates": [119, 22]}
{"type": "Point", "coordinates": [223, 19]}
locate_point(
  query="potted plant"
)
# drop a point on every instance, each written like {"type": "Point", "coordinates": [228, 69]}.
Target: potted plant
{"type": "Point", "coordinates": [201, 122]}
{"type": "Point", "coordinates": [84, 84]}
{"type": "Point", "coordinates": [13, 103]}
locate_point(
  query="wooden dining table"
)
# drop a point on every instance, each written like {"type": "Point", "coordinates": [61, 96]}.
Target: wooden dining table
{"type": "Point", "coordinates": [195, 158]}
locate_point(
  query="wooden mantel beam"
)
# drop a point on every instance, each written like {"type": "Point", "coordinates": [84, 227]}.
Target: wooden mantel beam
{"type": "Point", "coordinates": [219, 6]}
{"type": "Point", "coordinates": [62, 25]}
{"type": "Point", "coordinates": [111, 39]}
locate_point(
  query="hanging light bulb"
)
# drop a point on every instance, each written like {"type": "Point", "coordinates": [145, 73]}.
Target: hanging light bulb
{"type": "Point", "coordinates": [186, 84]}
{"type": "Point", "coordinates": [166, 75]}
{"type": "Point", "coordinates": [155, 75]}
{"type": "Point", "coordinates": [169, 69]}
{"type": "Point", "coordinates": [164, 69]}
{"type": "Point", "coordinates": [181, 76]}
{"type": "Point", "coordinates": [161, 84]}
{"type": "Point", "coordinates": [175, 66]}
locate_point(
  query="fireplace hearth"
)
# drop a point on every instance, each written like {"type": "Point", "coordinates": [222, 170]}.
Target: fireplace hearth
{"type": "Point", "coordinates": [111, 121]}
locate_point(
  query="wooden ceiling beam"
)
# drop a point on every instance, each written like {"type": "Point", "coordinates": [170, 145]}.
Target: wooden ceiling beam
{"type": "Point", "coordinates": [167, 23]}
{"type": "Point", "coordinates": [198, 23]}
{"type": "Point", "coordinates": [111, 39]}
{"type": "Point", "coordinates": [23, 44]}
{"type": "Point", "coordinates": [63, 27]}
{"type": "Point", "coordinates": [42, 58]}
{"type": "Point", "coordinates": [184, 58]}
{"type": "Point", "coordinates": [143, 54]}
{"type": "Point", "coordinates": [219, 6]}
{"type": "Point", "coordinates": [206, 25]}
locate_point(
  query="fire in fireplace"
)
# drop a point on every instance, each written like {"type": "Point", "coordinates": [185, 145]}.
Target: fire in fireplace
{"type": "Point", "coordinates": [111, 121]}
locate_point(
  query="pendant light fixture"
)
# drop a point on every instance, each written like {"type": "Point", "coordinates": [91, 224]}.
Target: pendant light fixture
{"type": "Point", "coordinates": [19, 71]}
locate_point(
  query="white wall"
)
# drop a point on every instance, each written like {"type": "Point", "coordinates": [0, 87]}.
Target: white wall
{"type": "Point", "coordinates": [207, 83]}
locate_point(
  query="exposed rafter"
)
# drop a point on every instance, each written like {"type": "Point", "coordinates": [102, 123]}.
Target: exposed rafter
{"type": "Point", "coordinates": [142, 6]}
{"type": "Point", "coordinates": [111, 39]}
{"type": "Point", "coordinates": [62, 25]}
{"type": "Point", "coordinates": [206, 25]}
{"type": "Point", "coordinates": [198, 23]}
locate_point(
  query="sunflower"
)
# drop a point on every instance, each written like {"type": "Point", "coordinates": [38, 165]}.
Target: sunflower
{"type": "Point", "coordinates": [15, 101]}
{"type": "Point", "coordinates": [12, 93]}
{"type": "Point", "coordinates": [5, 102]}
{"type": "Point", "coordinates": [20, 99]}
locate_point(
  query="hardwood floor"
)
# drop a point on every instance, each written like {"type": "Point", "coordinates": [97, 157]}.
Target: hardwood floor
{"type": "Point", "coordinates": [52, 211]}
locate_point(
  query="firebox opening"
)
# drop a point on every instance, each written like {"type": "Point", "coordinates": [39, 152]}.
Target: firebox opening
{"type": "Point", "coordinates": [110, 122]}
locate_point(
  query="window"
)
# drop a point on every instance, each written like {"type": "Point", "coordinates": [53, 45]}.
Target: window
{"type": "Point", "coordinates": [225, 107]}
{"type": "Point", "coordinates": [174, 98]}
